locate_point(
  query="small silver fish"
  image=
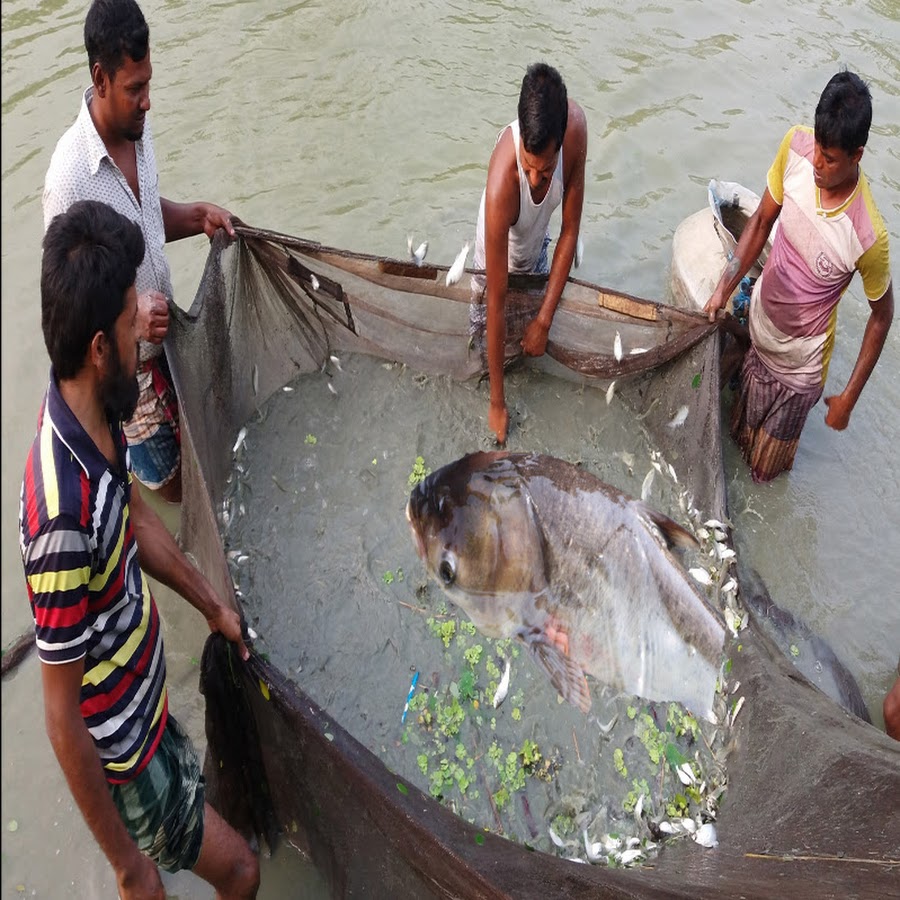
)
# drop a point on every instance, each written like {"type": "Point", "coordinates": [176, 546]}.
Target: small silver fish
{"type": "Point", "coordinates": [459, 264]}
{"type": "Point", "coordinates": [314, 282]}
{"type": "Point", "coordinates": [242, 434]}
{"type": "Point", "coordinates": [336, 362]}
{"type": "Point", "coordinates": [418, 255]}
{"type": "Point", "coordinates": [331, 388]}
{"type": "Point", "coordinates": [700, 575]}
{"type": "Point", "coordinates": [617, 347]}
{"type": "Point", "coordinates": [579, 251]}
{"type": "Point", "coordinates": [679, 417]}
{"type": "Point", "coordinates": [648, 483]}
{"type": "Point", "coordinates": [503, 687]}
{"type": "Point", "coordinates": [705, 836]}
{"type": "Point", "coordinates": [609, 392]}
{"type": "Point", "coordinates": [255, 379]}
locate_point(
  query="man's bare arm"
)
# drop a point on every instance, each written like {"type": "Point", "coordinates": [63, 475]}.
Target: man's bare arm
{"type": "Point", "coordinates": [136, 874]}
{"type": "Point", "coordinates": [750, 245]}
{"type": "Point", "coordinates": [840, 406]}
{"type": "Point", "coordinates": [501, 209]}
{"type": "Point", "coordinates": [182, 220]}
{"type": "Point", "coordinates": [163, 559]}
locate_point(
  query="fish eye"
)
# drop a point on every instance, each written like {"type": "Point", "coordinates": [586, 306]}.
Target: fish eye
{"type": "Point", "coordinates": [447, 571]}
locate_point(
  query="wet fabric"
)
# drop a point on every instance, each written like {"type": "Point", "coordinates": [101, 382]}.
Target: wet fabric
{"type": "Point", "coordinates": [767, 419]}
{"type": "Point", "coordinates": [154, 432]}
{"type": "Point", "coordinates": [271, 306]}
{"type": "Point", "coordinates": [163, 807]}
{"type": "Point", "coordinates": [478, 308]}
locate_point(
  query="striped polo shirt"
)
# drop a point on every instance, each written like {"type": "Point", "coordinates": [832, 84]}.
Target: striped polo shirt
{"type": "Point", "coordinates": [88, 595]}
{"type": "Point", "coordinates": [814, 255]}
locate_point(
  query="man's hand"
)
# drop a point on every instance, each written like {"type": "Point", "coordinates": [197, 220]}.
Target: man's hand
{"type": "Point", "coordinates": [140, 880]}
{"type": "Point", "coordinates": [228, 623]}
{"type": "Point", "coordinates": [498, 421]}
{"type": "Point", "coordinates": [152, 317]}
{"type": "Point", "coordinates": [717, 302]}
{"type": "Point", "coordinates": [534, 341]}
{"type": "Point", "coordinates": [214, 218]}
{"type": "Point", "coordinates": [838, 415]}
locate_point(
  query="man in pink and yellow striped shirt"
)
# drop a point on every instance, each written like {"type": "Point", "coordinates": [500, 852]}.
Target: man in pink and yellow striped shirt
{"type": "Point", "coordinates": [829, 228]}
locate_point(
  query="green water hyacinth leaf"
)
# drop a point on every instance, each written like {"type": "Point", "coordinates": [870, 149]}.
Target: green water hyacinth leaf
{"type": "Point", "coordinates": [402, 788]}
{"type": "Point", "coordinates": [674, 757]}
{"type": "Point", "coordinates": [697, 380]}
{"type": "Point", "coordinates": [467, 686]}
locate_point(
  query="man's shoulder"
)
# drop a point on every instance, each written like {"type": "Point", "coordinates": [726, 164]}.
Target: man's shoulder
{"type": "Point", "coordinates": [70, 161]}
{"type": "Point", "coordinates": [54, 491]}
{"type": "Point", "coordinates": [575, 140]}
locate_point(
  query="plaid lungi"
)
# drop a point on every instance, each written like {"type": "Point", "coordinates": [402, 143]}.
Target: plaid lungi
{"type": "Point", "coordinates": [767, 419]}
{"type": "Point", "coordinates": [163, 807]}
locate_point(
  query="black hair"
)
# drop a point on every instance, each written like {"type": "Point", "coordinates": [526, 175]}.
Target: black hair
{"type": "Point", "coordinates": [114, 29]}
{"type": "Point", "coordinates": [543, 108]}
{"type": "Point", "coordinates": [844, 113]}
{"type": "Point", "coordinates": [90, 260]}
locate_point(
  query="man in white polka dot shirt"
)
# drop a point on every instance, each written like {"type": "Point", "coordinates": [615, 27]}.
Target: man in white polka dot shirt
{"type": "Point", "coordinates": [107, 155]}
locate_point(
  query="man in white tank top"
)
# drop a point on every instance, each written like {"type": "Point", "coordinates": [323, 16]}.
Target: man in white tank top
{"type": "Point", "coordinates": [537, 163]}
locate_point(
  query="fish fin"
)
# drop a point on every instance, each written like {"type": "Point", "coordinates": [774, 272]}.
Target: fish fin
{"type": "Point", "coordinates": [565, 675]}
{"type": "Point", "coordinates": [674, 534]}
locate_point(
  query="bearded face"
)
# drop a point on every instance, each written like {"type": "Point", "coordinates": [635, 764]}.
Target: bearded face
{"type": "Point", "coordinates": [118, 390]}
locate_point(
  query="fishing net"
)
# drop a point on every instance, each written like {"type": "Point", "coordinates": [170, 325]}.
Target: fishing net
{"type": "Point", "coordinates": [811, 803]}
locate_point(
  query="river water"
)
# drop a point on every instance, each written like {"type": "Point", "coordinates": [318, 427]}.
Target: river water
{"type": "Point", "coordinates": [358, 123]}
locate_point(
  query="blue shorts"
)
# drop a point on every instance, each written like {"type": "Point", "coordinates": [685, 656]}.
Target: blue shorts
{"type": "Point", "coordinates": [156, 460]}
{"type": "Point", "coordinates": [163, 807]}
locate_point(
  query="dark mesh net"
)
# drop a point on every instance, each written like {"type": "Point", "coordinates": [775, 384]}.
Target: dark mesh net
{"type": "Point", "coordinates": [811, 808]}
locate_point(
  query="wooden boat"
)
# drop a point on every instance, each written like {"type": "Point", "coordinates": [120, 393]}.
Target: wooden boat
{"type": "Point", "coordinates": [811, 808]}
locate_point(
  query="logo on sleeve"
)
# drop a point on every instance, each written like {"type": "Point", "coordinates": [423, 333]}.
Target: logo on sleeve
{"type": "Point", "coordinates": [824, 266]}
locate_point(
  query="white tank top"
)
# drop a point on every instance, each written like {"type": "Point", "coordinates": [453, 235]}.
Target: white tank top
{"type": "Point", "coordinates": [526, 237]}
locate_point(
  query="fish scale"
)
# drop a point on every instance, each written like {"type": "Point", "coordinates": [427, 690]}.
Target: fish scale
{"type": "Point", "coordinates": [536, 548]}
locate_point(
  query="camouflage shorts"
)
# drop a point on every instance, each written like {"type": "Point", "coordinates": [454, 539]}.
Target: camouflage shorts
{"type": "Point", "coordinates": [163, 807]}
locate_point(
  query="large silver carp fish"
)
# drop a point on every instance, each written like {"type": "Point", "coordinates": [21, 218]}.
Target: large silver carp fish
{"type": "Point", "coordinates": [535, 548]}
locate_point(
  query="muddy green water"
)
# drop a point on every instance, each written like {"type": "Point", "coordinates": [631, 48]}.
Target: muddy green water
{"type": "Point", "coordinates": [357, 123]}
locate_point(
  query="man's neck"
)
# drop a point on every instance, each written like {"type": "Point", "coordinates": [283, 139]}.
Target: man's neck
{"type": "Point", "coordinates": [838, 196]}
{"type": "Point", "coordinates": [115, 143]}
{"type": "Point", "coordinates": [83, 398]}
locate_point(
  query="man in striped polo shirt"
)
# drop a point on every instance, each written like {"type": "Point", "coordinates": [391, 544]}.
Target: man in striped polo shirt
{"type": "Point", "coordinates": [87, 538]}
{"type": "Point", "coordinates": [829, 228]}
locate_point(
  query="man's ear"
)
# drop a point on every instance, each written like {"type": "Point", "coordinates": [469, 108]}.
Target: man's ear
{"type": "Point", "coordinates": [99, 351]}
{"type": "Point", "coordinates": [856, 156]}
{"type": "Point", "coordinates": [99, 79]}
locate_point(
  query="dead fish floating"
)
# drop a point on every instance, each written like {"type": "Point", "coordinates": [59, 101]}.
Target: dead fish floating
{"type": "Point", "coordinates": [535, 548]}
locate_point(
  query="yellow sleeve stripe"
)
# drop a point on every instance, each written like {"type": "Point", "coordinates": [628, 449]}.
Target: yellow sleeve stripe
{"type": "Point", "coordinates": [61, 581]}
{"type": "Point", "coordinates": [48, 469]}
